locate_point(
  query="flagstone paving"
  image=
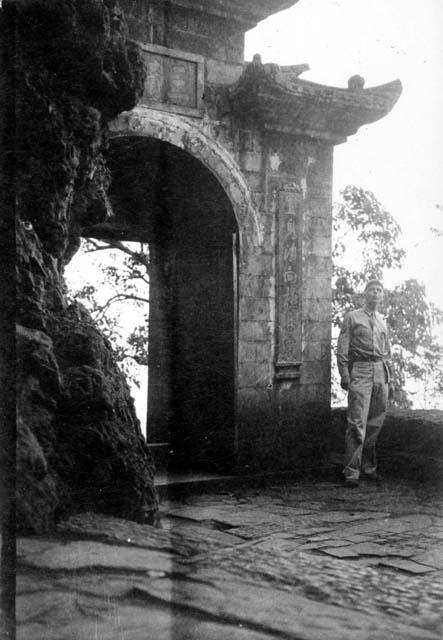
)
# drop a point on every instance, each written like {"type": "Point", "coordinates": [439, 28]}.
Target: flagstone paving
{"type": "Point", "coordinates": [304, 561]}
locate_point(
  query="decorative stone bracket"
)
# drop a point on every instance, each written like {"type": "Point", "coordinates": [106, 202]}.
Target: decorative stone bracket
{"type": "Point", "coordinates": [287, 370]}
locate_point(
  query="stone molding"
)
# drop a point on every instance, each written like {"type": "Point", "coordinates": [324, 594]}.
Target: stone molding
{"type": "Point", "coordinates": [191, 136]}
{"type": "Point", "coordinates": [285, 371]}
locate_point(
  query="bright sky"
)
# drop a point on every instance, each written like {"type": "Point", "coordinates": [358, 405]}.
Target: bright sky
{"type": "Point", "coordinates": [399, 158]}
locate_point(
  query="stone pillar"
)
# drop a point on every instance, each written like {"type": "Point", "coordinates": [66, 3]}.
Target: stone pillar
{"type": "Point", "coordinates": [289, 275]}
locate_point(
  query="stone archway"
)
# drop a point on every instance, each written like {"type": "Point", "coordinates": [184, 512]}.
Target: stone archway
{"type": "Point", "coordinates": [185, 134]}
{"type": "Point", "coordinates": [173, 199]}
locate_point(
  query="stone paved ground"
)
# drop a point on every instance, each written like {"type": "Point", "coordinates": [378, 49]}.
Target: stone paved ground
{"type": "Point", "coordinates": [305, 561]}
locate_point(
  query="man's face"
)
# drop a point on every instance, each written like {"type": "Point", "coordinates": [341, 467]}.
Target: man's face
{"type": "Point", "coordinates": [374, 295]}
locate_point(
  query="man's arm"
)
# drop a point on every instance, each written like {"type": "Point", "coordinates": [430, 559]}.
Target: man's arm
{"type": "Point", "coordinates": [388, 359]}
{"type": "Point", "coordinates": [344, 340]}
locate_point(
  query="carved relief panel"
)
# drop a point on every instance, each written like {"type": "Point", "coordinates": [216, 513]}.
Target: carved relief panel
{"type": "Point", "coordinates": [174, 80]}
{"type": "Point", "coordinates": [289, 282]}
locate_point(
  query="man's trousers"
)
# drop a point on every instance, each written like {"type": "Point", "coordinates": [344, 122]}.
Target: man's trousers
{"type": "Point", "coordinates": [367, 402]}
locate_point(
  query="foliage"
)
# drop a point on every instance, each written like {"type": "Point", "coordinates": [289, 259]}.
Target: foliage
{"type": "Point", "coordinates": [359, 220]}
{"type": "Point", "coordinates": [417, 355]}
{"type": "Point", "coordinates": [119, 300]}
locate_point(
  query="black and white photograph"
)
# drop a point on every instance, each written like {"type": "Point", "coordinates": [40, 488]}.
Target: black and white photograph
{"type": "Point", "coordinates": [225, 295]}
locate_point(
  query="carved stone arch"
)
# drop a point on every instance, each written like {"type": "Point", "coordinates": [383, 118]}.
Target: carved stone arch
{"type": "Point", "coordinates": [184, 133]}
{"type": "Point", "coordinates": [196, 208]}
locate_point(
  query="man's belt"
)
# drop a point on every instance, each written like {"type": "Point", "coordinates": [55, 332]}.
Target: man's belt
{"type": "Point", "coordinates": [367, 359]}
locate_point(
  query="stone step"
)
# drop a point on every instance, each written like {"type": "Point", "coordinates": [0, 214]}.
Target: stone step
{"type": "Point", "coordinates": [170, 485]}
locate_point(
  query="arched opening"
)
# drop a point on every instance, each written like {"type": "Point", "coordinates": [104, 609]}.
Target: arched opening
{"type": "Point", "coordinates": [163, 196]}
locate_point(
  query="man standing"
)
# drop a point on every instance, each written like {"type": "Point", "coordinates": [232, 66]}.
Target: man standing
{"type": "Point", "coordinates": [363, 357]}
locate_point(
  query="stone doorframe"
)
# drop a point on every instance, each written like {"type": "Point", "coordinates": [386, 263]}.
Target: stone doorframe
{"type": "Point", "coordinates": [194, 137]}
{"type": "Point", "coordinates": [191, 136]}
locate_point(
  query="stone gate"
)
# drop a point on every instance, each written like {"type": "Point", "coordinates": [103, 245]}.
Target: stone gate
{"type": "Point", "coordinates": [225, 169]}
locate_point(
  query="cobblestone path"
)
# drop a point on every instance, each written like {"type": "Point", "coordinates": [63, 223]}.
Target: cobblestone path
{"type": "Point", "coordinates": [305, 561]}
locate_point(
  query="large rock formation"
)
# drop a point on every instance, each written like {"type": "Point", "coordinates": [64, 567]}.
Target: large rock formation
{"type": "Point", "coordinates": [79, 443]}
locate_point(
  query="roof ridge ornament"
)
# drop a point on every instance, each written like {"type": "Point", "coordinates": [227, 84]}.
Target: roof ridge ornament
{"type": "Point", "coordinates": [356, 83]}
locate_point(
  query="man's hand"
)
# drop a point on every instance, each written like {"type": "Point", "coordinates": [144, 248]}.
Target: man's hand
{"type": "Point", "coordinates": [344, 384]}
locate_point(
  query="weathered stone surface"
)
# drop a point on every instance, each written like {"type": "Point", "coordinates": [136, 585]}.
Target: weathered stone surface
{"type": "Point", "coordinates": [176, 536]}
{"type": "Point", "coordinates": [129, 620]}
{"type": "Point", "coordinates": [255, 531]}
{"type": "Point", "coordinates": [339, 552]}
{"type": "Point", "coordinates": [120, 531]}
{"type": "Point", "coordinates": [357, 537]}
{"type": "Point", "coordinates": [39, 553]}
{"type": "Point", "coordinates": [276, 611]}
{"type": "Point", "coordinates": [433, 557]}
{"type": "Point", "coordinates": [68, 87]}
{"type": "Point", "coordinates": [406, 565]}
{"type": "Point", "coordinates": [347, 516]}
{"type": "Point", "coordinates": [314, 372]}
{"type": "Point", "coordinates": [222, 73]}
{"type": "Point", "coordinates": [278, 583]}
{"type": "Point", "coordinates": [38, 493]}
{"type": "Point", "coordinates": [103, 606]}
{"type": "Point", "coordinates": [103, 456]}
{"type": "Point", "coordinates": [199, 534]}
{"type": "Point", "coordinates": [317, 330]}
{"type": "Point", "coordinates": [227, 515]}
{"type": "Point", "coordinates": [374, 549]}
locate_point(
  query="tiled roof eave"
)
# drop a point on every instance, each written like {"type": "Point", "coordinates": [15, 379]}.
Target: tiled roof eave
{"type": "Point", "coordinates": [332, 111]}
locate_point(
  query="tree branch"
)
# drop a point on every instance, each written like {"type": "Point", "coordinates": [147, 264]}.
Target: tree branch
{"type": "Point", "coordinates": [117, 298]}
{"type": "Point", "coordinates": [97, 247]}
{"type": "Point", "coordinates": [139, 257]}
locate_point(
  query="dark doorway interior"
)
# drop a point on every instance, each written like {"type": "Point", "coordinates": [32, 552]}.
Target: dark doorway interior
{"type": "Point", "coordinates": [163, 196]}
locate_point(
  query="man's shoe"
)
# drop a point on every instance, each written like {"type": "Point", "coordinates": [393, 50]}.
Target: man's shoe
{"type": "Point", "coordinates": [373, 477]}
{"type": "Point", "coordinates": [350, 483]}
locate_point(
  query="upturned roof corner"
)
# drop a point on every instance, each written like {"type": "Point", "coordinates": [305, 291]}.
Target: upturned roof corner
{"type": "Point", "coordinates": [275, 98]}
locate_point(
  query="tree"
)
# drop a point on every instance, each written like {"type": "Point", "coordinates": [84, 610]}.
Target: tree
{"type": "Point", "coordinates": [367, 237]}
{"type": "Point", "coordinates": [117, 296]}
{"type": "Point", "coordinates": [416, 353]}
